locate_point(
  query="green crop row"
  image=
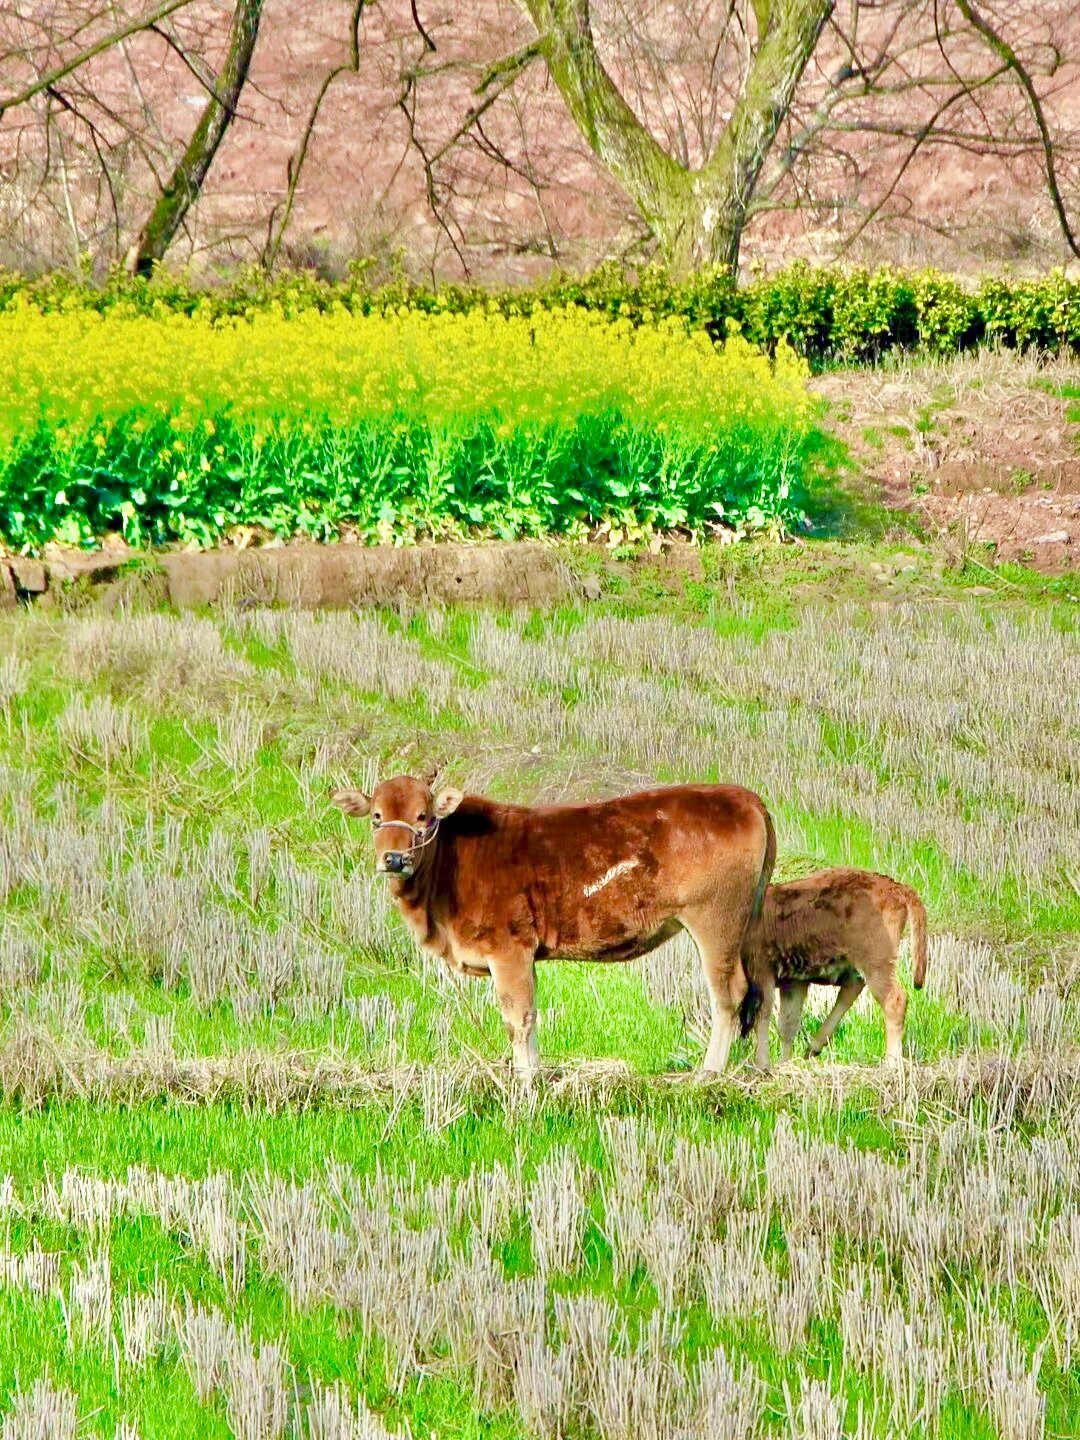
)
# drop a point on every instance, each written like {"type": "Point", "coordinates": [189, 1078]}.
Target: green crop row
{"type": "Point", "coordinates": [175, 427]}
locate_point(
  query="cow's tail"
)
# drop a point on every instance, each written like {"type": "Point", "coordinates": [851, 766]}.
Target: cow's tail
{"type": "Point", "coordinates": [917, 919]}
{"type": "Point", "coordinates": [752, 939]}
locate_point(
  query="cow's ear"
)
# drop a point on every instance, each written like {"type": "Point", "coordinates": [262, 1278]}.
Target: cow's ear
{"type": "Point", "coordinates": [353, 802]}
{"type": "Point", "coordinates": [446, 802]}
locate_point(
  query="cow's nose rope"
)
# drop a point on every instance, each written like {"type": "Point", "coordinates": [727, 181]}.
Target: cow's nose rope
{"type": "Point", "coordinates": [426, 832]}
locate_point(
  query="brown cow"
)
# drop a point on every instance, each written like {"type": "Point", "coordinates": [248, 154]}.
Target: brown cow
{"type": "Point", "coordinates": [838, 927]}
{"type": "Point", "coordinates": [493, 888]}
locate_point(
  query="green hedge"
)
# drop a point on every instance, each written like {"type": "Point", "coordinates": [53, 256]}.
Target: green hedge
{"type": "Point", "coordinates": [828, 315]}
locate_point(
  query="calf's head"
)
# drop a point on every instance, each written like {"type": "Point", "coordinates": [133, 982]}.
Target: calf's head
{"type": "Point", "coordinates": [405, 818]}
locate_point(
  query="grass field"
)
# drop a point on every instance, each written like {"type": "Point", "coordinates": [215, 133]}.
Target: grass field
{"type": "Point", "coordinates": [267, 1173]}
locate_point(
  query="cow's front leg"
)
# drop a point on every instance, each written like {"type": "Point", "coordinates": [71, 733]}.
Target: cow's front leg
{"type": "Point", "coordinates": [515, 985]}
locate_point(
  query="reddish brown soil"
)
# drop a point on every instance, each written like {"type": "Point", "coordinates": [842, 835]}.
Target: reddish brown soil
{"type": "Point", "coordinates": [979, 449]}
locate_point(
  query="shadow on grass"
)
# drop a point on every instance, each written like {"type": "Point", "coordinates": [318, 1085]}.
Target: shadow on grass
{"type": "Point", "coordinates": [841, 501]}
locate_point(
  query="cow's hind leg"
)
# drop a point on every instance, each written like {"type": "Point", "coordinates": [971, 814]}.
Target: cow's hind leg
{"type": "Point", "coordinates": [719, 943]}
{"type": "Point", "coordinates": [792, 999]}
{"type": "Point", "coordinates": [515, 986]}
{"type": "Point", "coordinates": [850, 991]}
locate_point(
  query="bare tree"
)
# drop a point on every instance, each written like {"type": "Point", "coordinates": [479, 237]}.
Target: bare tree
{"type": "Point", "coordinates": [186, 181]}
{"type": "Point", "coordinates": [501, 136]}
{"type": "Point", "coordinates": [702, 145]}
{"type": "Point", "coordinates": [697, 215]}
{"type": "Point", "coordinates": [64, 72]}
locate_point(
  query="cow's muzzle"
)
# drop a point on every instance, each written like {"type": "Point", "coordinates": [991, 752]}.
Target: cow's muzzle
{"type": "Point", "coordinates": [403, 862]}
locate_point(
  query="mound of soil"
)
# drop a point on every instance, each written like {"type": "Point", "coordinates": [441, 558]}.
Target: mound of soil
{"type": "Point", "coordinates": [305, 576]}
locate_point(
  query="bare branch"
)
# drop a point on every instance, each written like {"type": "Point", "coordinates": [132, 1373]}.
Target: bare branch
{"type": "Point", "coordinates": [923, 133]}
{"type": "Point", "coordinates": [508, 66]}
{"type": "Point", "coordinates": [206, 80]}
{"type": "Point", "coordinates": [1008, 55]}
{"type": "Point", "coordinates": [429, 44]}
{"type": "Point", "coordinates": [106, 42]}
{"type": "Point", "coordinates": [350, 66]}
{"type": "Point", "coordinates": [505, 72]}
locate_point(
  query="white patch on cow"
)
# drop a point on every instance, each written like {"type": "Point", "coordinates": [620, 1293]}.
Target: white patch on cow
{"type": "Point", "coordinates": [609, 875]}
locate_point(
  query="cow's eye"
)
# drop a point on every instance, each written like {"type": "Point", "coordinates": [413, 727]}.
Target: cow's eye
{"type": "Point", "coordinates": [421, 817]}
{"type": "Point", "coordinates": [376, 816]}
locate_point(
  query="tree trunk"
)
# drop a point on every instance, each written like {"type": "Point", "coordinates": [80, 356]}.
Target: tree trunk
{"type": "Point", "coordinates": [697, 216]}
{"type": "Point", "coordinates": [614, 133]}
{"type": "Point", "coordinates": [185, 183]}
{"type": "Point", "coordinates": [701, 225]}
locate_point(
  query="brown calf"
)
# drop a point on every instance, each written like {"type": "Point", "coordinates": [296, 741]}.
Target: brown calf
{"type": "Point", "coordinates": [838, 927]}
{"type": "Point", "coordinates": [492, 888]}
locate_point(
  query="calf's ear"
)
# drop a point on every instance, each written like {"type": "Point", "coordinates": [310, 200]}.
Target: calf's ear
{"type": "Point", "coordinates": [446, 802]}
{"type": "Point", "coordinates": [353, 802]}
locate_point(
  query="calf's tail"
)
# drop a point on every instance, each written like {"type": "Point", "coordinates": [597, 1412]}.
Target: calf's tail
{"type": "Point", "coordinates": [750, 1008]}
{"type": "Point", "coordinates": [917, 917]}
{"type": "Point", "coordinates": [752, 1000]}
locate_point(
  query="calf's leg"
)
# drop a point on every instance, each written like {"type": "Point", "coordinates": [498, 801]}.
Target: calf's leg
{"type": "Point", "coordinates": [792, 999]}
{"type": "Point", "coordinates": [767, 985]}
{"type": "Point", "coordinates": [849, 993]}
{"type": "Point", "coordinates": [515, 986]}
{"type": "Point", "coordinates": [889, 994]}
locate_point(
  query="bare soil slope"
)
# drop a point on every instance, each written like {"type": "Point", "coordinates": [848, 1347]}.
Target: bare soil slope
{"type": "Point", "coordinates": [984, 448]}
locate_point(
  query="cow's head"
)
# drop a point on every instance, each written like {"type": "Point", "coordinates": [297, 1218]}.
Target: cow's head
{"type": "Point", "coordinates": [405, 818]}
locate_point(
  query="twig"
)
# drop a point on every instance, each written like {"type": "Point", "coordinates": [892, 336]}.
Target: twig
{"type": "Point", "coordinates": [350, 66]}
